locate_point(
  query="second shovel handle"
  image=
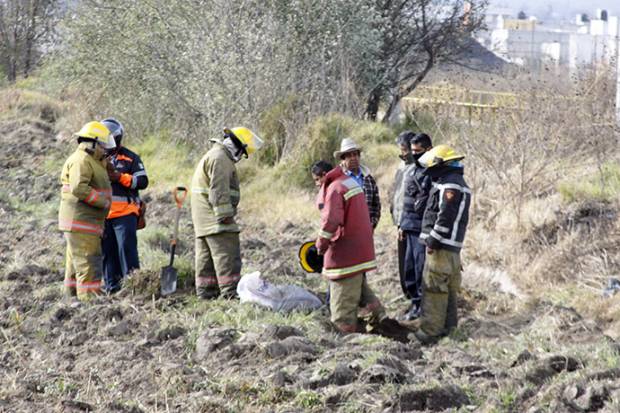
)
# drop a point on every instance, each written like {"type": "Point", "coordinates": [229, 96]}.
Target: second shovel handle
{"type": "Point", "coordinates": [180, 193]}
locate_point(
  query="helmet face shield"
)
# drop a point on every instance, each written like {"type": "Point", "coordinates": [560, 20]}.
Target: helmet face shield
{"type": "Point", "coordinates": [251, 141]}
{"type": "Point", "coordinates": [108, 144]}
{"type": "Point", "coordinates": [427, 160]}
{"type": "Point", "coordinates": [257, 142]}
{"type": "Point", "coordinates": [116, 129]}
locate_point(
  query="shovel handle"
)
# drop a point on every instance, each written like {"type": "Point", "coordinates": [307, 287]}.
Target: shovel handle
{"type": "Point", "coordinates": [179, 193]}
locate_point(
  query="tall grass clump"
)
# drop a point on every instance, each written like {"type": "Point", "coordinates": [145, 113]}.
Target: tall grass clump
{"type": "Point", "coordinates": [604, 185]}
{"type": "Point", "coordinates": [167, 162]}
{"type": "Point", "coordinates": [322, 137]}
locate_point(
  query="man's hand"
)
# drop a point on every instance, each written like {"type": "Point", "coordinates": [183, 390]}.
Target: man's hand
{"type": "Point", "coordinates": [113, 174]}
{"type": "Point", "coordinates": [429, 250]}
{"type": "Point", "coordinates": [321, 245]}
{"type": "Point", "coordinates": [401, 235]}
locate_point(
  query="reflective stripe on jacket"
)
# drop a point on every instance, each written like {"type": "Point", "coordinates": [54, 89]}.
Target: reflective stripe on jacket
{"type": "Point", "coordinates": [447, 212]}
{"type": "Point", "coordinates": [125, 197]}
{"type": "Point", "coordinates": [215, 192]}
{"type": "Point", "coordinates": [85, 193]}
{"type": "Point", "coordinates": [346, 227]}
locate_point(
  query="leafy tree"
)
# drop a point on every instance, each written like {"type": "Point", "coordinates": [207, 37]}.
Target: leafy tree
{"type": "Point", "coordinates": [26, 28]}
{"type": "Point", "coordinates": [198, 65]}
{"type": "Point", "coordinates": [416, 35]}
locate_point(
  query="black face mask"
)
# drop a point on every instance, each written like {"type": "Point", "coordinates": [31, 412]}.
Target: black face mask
{"type": "Point", "coordinates": [437, 172]}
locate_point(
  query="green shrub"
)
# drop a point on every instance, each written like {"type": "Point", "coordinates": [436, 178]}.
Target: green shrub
{"type": "Point", "coordinates": [366, 133]}
{"type": "Point", "coordinates": [318, 141]}
{"type": "Point", "coordinates": [322, 137]}
{"type": "Point", "coordinates": [273, 128]}
{"type": "Point", "coordinates": [604, 185]}
{"type": "Point", "coordinates": [423, 122]}
{"type": "Point", "coordinates": [167, 163]}
{"type": "Point", "coordinates": [380, 155]}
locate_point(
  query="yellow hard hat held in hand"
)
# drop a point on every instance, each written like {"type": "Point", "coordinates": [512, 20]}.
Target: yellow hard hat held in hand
{"type": "Point", "coordinates": [250, 141]}
{"type": "Point", "coordinates": [97, 132]}
{"type": "Point", "coordinates": [309, 258]}
{"type": "Point", "coordinates": [439, 155]}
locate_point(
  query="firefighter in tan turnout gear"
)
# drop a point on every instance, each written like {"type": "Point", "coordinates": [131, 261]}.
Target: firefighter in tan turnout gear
{"type": "Point", "coordinates": [215, 197]}
{"type": "Point", "coordinates": [85, 200]}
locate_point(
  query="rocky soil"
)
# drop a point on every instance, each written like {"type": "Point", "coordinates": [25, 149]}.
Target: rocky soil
{"type": "Point", "coordinates": [135, 352]}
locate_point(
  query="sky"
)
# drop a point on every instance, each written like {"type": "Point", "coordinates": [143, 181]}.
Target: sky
{"type": "Point", "coordinates": [561, 8]}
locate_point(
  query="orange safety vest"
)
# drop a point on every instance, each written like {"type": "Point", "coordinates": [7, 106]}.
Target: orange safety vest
{"type": "Point", "coordinates": [125, 197]}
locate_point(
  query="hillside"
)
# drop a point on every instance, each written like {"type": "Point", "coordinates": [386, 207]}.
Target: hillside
{"type": "Point", "coordinates": [526, 343]}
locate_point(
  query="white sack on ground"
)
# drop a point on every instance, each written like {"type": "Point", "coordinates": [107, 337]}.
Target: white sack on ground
{"type": "Point", "coordinates": [253, 289]}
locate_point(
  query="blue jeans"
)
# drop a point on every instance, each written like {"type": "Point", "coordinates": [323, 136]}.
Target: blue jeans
{"type": "Point", "coordinates": [413, 266]}
{"type": "Point", "coordinates": [120, 250]}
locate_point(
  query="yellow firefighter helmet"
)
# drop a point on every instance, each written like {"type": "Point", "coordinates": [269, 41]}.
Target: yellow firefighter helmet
{"type": "Point", "coordinates": [309, 258]}
{"type": "Point", "coordinates": [98, 132]}
{"type": "Point", "coordinates": [439, 155]}
{"type": "Point", "coordinates": [251, 142]}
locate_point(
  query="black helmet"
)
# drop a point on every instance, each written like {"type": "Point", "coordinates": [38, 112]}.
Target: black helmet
{"type": "Point", "coordinates": [116, 129]}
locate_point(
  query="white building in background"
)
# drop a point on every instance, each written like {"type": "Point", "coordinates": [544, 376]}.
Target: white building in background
{"type": "Point", "coordinates": [528, 42]}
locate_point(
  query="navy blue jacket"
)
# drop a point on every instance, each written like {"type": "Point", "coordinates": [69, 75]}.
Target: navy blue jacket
{"type": "Point", "coordinates": [447, 212]}
{"type": "Point", "coordinates": [416, 189]}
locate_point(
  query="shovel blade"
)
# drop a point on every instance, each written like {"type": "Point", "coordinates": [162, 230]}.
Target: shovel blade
{"type": "Point", "coordinates": [168, 280]}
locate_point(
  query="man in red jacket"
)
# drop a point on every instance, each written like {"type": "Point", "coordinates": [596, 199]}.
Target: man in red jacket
{"type": "Point", "coordinates": [345, 238]}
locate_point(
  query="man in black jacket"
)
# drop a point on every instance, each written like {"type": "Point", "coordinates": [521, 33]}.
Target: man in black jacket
{"type": "Point", "coordinates": [120, 243]}
{"type": "Point", "coordinates": [415, 189]}
{"type": "Point", "coordinates": [443, 232]}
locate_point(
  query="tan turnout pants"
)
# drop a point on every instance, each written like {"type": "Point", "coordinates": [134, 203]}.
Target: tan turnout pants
{"type": "Point", "coordinates": [441, 283]}
{"type": "Point", "coordinates": [345, 297]}
{"type": "Point", "coordinates": [83, 265]}
{"type": "Point", "coordinates": [218, 265]}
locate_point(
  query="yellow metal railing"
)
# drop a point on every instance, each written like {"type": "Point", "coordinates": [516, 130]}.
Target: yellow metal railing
{"type": "Point", "coordinates": [471, 103]}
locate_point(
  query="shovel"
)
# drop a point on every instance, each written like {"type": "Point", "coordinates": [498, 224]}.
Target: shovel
{"type": "Point", "coordinates": [168, 278]}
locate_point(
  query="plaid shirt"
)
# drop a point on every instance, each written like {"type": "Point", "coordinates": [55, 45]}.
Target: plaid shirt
{"type": "Point", "coordinates": [371, 191]}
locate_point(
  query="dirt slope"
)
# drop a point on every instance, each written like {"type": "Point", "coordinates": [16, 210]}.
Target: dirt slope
{"type": "Point", "coordinates": [136, 353]}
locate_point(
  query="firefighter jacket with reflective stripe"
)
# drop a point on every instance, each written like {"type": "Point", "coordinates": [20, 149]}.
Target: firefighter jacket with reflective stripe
{"type": "Point", "coordinates": [416, 188]}
{"type": "Point", "coordinates": [396, 199]}
{"type": "Point", "coordinates": [215, 192]}
{"type": "Point", "coordinates": [125, 197]}
{"type": "Point", "coordinates": [447, 211]}
{"type": "Point", "coordinates": [346, 232]}
{"type": "Point", "coordinates": [85, 195]}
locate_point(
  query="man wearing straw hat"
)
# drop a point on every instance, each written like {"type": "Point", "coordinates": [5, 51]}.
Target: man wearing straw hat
{"type": "Point", "coordinates": [349, 156]}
